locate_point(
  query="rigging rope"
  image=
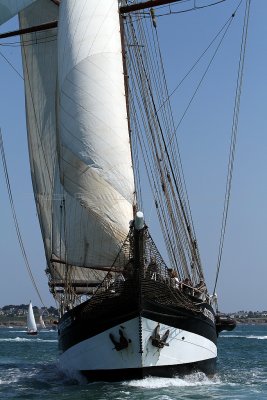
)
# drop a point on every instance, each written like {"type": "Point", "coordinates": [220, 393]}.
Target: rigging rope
{"type": "Point", "coordinates": [24, 255]}
{"type": "Point", "coordinates": [233, 137]}
{"type": "Point", "coordinates": [200, 82]}
{"type": "Point", "coordinates": [226, 25]}
{"type": "Point", "coordinates": [12, 66]}
{"type": "Point", "coordinates": [195, 7]}
{"type": "Point", "coordinates": [165, 181]}
{"type": "Point", "coordinates": [150, 104]}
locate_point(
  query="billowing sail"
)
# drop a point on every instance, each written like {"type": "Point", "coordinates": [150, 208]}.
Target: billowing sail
{"type": "Point", "coordinates": [39, 55]}
{"type": "Point", "coordinates": [31, 324]}
{"type": "Point", "coordinates": [94, 151]}
{"type": "Point", "coordinates": [78, 137]}
{"type": "Point", "coordinates": [9, 8]}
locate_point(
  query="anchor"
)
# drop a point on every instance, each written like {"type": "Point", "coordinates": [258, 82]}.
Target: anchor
{"type": "Point", "coordinates": [122, 343]}
{"type": "Point", "coordinates": [158, 341]}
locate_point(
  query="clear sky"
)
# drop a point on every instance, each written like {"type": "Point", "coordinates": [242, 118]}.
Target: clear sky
{"type": "Point", "coordinates": [204, 138]}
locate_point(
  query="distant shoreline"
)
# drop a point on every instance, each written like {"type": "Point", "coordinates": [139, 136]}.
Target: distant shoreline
{"type": "Point", "coordinates": [251, 321]}
{"type": "Point", "coordinates": [22, 324]}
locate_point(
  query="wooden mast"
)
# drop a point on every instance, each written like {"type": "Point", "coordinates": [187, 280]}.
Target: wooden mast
{"type": "Point", "coordinates": [146, 4]}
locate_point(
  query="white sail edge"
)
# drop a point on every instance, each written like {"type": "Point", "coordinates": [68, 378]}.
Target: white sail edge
{"type": "Point", "coordinates": [10, 8]}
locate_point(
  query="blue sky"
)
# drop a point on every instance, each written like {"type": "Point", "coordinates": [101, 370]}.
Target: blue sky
{"type": "Point", "coordinates": [204, 138]}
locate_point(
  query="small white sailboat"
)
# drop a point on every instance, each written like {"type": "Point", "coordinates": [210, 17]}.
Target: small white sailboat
{"type": "Point", "coordinates": [42, 323]}
{"type": "Point", "coordinates": [31, 324]}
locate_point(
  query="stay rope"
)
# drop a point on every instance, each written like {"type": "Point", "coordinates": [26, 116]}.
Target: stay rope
{"type": "Point", "coordinates": [18, 232]}
{"type": "Point", "coordinates": [233, 138]}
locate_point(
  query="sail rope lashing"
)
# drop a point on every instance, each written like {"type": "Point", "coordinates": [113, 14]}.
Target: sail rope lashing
{"type": "Point", "coordinates": [12, 205]}
{"type": "Point", "coordinates": [233, 137]}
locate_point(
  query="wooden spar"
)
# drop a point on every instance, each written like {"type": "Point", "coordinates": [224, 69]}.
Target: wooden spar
{"type": "Point", "coordinates": [105, 269]}
{"type": "Point", "coordinates": [146, 4]}
{"type": "Point", "coordinates": [76, 284]}
{"type": "Point", "coordinates": [37, 28]}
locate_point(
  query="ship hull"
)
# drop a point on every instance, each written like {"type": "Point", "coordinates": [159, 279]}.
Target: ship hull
{"type": "Point", "coordinates": [190, 345]}
{"type": "Point", "coordinates": [32, 333]}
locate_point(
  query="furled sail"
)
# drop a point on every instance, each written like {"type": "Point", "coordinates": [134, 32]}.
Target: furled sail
{"type": "Point", "coordinates": [9, 8]}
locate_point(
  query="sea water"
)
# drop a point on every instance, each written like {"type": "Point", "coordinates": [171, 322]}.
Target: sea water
{"type": "Point", "coordinates": [29, 370]}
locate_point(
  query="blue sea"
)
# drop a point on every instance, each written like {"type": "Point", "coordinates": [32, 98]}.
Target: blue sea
{"type": "Point", "coordinates": [29, 370]}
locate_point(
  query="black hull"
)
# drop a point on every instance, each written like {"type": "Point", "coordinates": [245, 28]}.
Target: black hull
{"type": "Point", "coordinates": [225, 324]}
{"type": "Point", "coordinates": [140, 311]}
{"type": "Point", "coordinates": [80, 324]}
{"type": "Point", "coordinates": [208, 367]}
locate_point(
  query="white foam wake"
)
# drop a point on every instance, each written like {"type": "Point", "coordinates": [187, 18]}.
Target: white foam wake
{"type": "Point", "coordinates": [195, 379]}
{"type": "Point", "coordinates": [244, 337]}
{"type": "Point", "coordinates": [19, 339]}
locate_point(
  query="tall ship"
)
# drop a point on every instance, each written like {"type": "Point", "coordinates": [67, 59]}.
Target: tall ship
{"type": "Point", "coordinates": [99, 119]}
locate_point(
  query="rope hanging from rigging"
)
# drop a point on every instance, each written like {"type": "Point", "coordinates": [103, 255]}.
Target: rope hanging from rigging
{"type": "Point", "coordinates": [24, 254]}
{"type": "Point", "coordinates": [233, 138]}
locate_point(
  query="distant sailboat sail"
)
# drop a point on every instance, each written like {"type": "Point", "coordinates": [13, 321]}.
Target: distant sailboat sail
{"type": "Point", "coordinates": [31, 324]}
{"type": "Point", "coordinates": [42, 324]}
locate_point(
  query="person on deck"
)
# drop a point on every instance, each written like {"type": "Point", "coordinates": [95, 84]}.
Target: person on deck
{"type": "Point", "coordinates": [173, 278]}
{"type": "Point", "coordinates": [152, 269]}
{"type": "Point", "coordinates": [187, 285]}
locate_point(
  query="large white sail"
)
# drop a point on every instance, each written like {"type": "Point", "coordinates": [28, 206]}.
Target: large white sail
{"type": "Point", "coordinates": [31, 324]}
{"type": "Point", "coordinates": [95, 158]}
{"type": "Point", "coordinates": [83, 221]}
{"type": "Point", "coordinates": [9, 8]}
{"type": "Point", "coordinates": [39, 55]}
